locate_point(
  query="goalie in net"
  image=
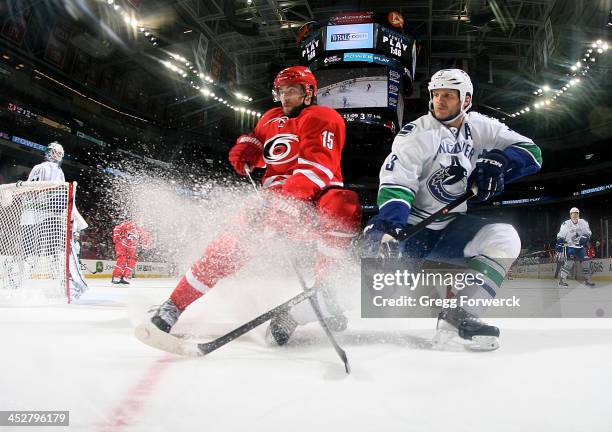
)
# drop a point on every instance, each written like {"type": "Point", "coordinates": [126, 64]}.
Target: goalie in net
{"type": "Point", "coordinates": [37, 254]}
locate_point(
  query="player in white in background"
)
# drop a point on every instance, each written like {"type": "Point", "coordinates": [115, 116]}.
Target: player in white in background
{"type": "Point", "coordinates": [51, 171]}
{"type": "Point", "coordinates": [571, 243]}
{"type": "Point", "coordinates": [433, 162]}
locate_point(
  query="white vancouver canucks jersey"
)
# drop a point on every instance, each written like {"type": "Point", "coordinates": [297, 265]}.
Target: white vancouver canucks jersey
{"type": "Point", "coordinates": [571, 232]}
{"type": "Point", "coordinates": [430, 163]}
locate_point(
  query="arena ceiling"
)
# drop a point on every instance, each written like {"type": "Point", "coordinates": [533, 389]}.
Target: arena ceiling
{"type": "Point", "coordinates": [504, 40]}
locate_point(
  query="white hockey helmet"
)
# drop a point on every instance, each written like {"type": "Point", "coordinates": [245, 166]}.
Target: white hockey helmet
{"type": "Point", "coordinates": [55, 152]}
{"type": "Point", "coordinates": [574, 210]}
{"type": "Point", "coordinates": [455, 79]}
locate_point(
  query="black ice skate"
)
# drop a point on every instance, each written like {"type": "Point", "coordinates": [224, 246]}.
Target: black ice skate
{"type": "Point", "coordinates": [563, 283]}
{"type": "Point", "coordinates": [155, 332]}
{"type": "Point", "coordinates": [166, 316]}
{"type": "Point", "coordinates": [123, 281]}
{"type": "Point", "coordinates": [281, 328]}
{"type": "Point", "coordinates": [115, 281]}
{"type": "Point", "coordinates": [475, 334]}
{"type": "Point", "coordinates": [283, 325]}
{"type": "Point", "coordinates": [589, 283]}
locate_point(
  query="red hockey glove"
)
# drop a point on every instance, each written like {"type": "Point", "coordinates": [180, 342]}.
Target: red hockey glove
{"type": "Point", "coordinates": [247, 150]}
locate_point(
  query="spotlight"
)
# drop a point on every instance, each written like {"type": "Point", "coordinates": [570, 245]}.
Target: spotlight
{"type": "Point", "coordinates": [546, 88]}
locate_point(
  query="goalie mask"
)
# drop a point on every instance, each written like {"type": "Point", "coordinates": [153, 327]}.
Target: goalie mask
{"type": "Point", "coordinates": [55, 152]}
{"type": "Point", "coordinates": [454, 79]}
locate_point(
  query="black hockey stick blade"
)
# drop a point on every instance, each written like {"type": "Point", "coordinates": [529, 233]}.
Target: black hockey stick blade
{"type": "Point", "coordinates": [414, 229]}
{"type": "Point", "coordinates": [208, 347]}
{"type": "Point", "coordinates": [315, 306]}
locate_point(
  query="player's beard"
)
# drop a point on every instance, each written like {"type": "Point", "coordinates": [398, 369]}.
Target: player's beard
{"type": "Point", "coordinates": [296, 110]}
{"type": "Point", "coordinates": [448, 117]}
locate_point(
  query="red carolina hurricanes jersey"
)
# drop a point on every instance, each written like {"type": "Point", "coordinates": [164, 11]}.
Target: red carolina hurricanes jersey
{"type": "Point", "coordinates": [130, 235]}
{"type": "Point", "coordinates": [302, 153]}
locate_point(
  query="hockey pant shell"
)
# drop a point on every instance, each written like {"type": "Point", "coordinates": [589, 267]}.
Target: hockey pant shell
{"type": "Point", "coordinates": [574, 254]}
{"type": "Point", "coordinates": [339, 218]}
{"type": "Point", "coordinates": [478, 245]}
{"type": "Point", "coordinates": [126, 261]}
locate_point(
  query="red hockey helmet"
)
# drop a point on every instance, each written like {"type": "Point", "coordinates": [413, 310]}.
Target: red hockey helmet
{"type": "Point", "coordinates": [295, 75]}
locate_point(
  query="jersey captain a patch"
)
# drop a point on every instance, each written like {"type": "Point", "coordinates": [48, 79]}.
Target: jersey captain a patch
{"type": "Point", "coordinates": [278, 149]}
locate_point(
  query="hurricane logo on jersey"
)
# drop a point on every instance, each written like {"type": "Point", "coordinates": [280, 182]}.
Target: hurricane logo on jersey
{"type": "Point", "coordinates": [449, 182]}
{"type": "Point", "coordinates": [280, 120]}
{"type": "Point", "coordinates": [277, 148]}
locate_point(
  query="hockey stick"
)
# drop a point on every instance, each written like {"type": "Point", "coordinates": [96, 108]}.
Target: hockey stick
{"type": "Point", "coordinates": [150, 335]}
{"type": "Point", "coordinates": [208, 347]}
{"type": "Point", "coordinates": [313, 299]}
{"type": "Point", "coordinates": [414, 229]}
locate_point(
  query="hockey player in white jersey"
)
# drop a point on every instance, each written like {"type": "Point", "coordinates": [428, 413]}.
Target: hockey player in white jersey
{"type": "Point", "coordinates": [51, 171]}
{"type": "Point", "coordinates": [571, 244]}
{"type": "Point", "coordinates": [433, 162]}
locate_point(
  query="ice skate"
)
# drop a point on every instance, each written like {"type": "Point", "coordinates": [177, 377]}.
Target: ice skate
{"type": "Point", "coordinates": [472, 332]}
{"type": "Point", "coordinates": [155, 332]}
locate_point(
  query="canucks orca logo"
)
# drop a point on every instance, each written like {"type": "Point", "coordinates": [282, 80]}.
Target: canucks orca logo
{"type": "Point", "coordinates": [277, 148]}
{"type": "Point", "coordinates": [448, 183]}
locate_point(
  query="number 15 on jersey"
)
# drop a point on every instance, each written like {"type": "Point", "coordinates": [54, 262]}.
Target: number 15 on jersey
{"type": "Point", "coordinates": [327, 138]}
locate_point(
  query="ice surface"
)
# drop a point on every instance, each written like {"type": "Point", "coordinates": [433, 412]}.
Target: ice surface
{"type": "Point", "coordinates": [549, 374]}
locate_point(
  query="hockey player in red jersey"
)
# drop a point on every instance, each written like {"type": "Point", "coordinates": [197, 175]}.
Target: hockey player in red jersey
{"type": "Point", "coordinates": [300, 145]}
{"type": "Point", "coordinates": [127, 236]}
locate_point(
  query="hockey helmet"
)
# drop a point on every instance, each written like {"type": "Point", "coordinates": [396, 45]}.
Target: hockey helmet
{"type": "Point", "coordinates": [295, 75]}
{"type": "Point", "coordinates": [55, 152]}
{"type": "Point", "coordinates": [574, 210]}
{"type": "Point", "coordinates": [455, 79]}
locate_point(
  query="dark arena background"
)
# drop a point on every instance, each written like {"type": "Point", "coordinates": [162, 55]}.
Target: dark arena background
{"type": "Point", "coordinates": [147, 97]}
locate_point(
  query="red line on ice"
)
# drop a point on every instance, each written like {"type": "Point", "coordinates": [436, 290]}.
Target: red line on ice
{"type": "Point", "coordinates": [126, 412]}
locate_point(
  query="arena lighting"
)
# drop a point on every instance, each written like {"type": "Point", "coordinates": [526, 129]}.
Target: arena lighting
{"type": "Point", "coordinates": [546, 88]}
{"type": "Point", "coordinates": [132, 20]}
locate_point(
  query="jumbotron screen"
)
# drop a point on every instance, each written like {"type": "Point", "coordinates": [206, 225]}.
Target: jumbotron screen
{"type": "Point", "coordinates": [353, 88]}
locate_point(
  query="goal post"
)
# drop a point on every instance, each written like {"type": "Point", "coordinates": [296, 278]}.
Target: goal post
{"type": "Point", "coordinates": [35, 241]}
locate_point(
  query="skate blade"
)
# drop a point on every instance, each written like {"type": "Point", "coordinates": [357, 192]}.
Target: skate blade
{"type": "Point", "coordinates": [448, 340]}
{"type": "Point", "coordinates": [483, 343]}
{"type": "Point", "coordinates": [150, 335]}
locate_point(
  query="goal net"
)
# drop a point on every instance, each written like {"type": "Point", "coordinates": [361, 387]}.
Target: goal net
{"type": "Point", "coordinates": [35, 219]}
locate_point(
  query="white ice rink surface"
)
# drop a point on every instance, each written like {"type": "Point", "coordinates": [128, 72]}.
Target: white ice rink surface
{"type": "Point", "coordinates": [549, 374]}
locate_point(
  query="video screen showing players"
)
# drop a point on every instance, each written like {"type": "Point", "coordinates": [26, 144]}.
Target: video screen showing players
{"type": "Point", "coordinates": [364, 87]}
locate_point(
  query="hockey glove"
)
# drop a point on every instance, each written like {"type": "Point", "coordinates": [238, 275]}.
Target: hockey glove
{"type": "Point", "coordinates": [379, 239]}
{"type": "Point", "coordinates": [247, 150]}
{"type": "Point", "coordinates": [583, 240]}
{"type": "Point", "coordinates": [489, 174]}
{"type": "Point", "coordinates": [559, 245]}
